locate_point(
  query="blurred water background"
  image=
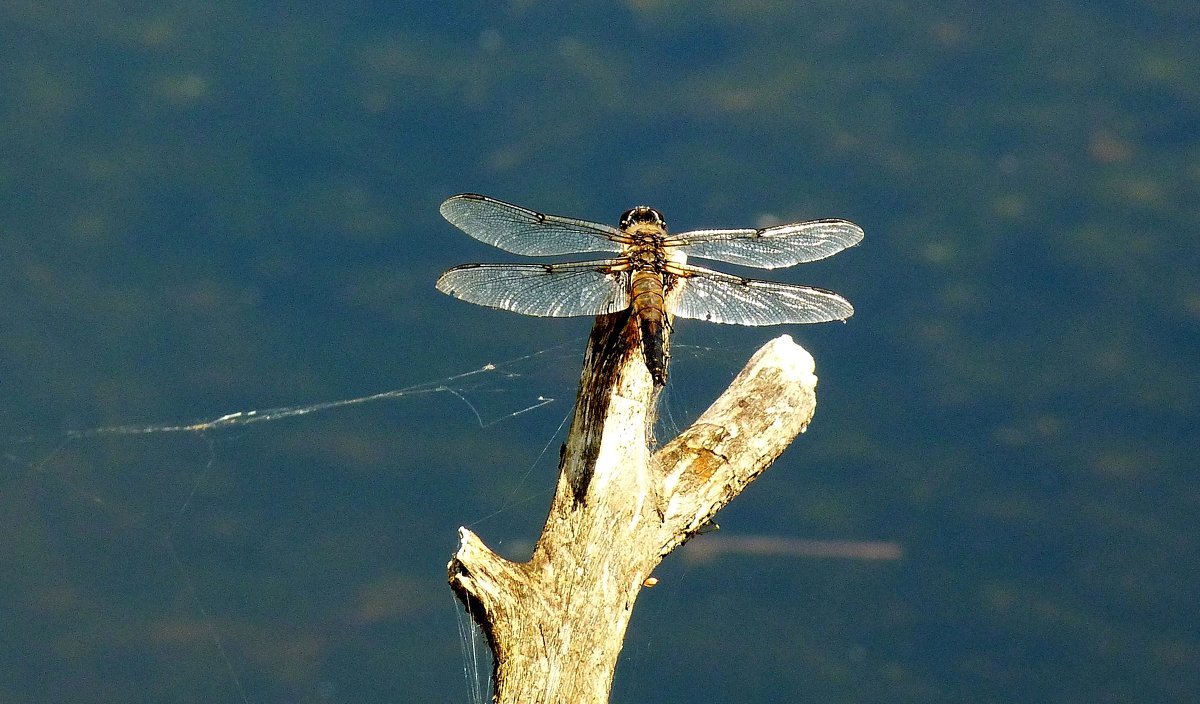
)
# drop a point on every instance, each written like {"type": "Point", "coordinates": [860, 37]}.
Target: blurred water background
{"type": "Point", "coordinates": [232, 206]}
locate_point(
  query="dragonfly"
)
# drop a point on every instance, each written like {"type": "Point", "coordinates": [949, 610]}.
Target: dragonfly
{"type": "Point", "coordinates": [648, 273]}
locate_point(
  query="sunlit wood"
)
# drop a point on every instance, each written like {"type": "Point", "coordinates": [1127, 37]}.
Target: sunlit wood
{"type": "Point", "coordinates": [556, 623]}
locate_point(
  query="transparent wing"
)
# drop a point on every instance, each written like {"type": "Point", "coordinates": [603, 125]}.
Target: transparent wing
{"type": "Point", "coordinates": [721, 298]}
{"type": "Point", "coordinates": [772, 247]}
{"type": "Point", "coordinates": [523, 231]}
{"type": "Point", "coordinates": [546, 290]}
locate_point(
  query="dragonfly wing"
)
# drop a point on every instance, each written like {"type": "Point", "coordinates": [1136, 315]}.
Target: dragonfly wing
{"type": "Point", "coordinates": [523, 231]}
{"type": "Point", "coordinates": [772, 247]}
{"type": "Point", "coordinates": [546, 290]}
{"type": "Point", "coordinates": [721, 298]}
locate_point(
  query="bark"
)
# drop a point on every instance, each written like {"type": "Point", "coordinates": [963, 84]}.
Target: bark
{"type": "Point", "coordinates": [557, 622]}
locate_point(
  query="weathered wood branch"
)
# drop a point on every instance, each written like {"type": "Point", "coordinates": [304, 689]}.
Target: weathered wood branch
{"type": "Point", "coordinates": [556, 623]}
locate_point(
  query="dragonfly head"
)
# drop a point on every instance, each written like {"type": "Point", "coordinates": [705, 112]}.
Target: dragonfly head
{"type": "Point", "coordinates": [641, 217]}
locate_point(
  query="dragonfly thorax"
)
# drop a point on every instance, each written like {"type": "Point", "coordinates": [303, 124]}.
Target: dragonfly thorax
{"type": "Point", "coordinates": [647, 255]}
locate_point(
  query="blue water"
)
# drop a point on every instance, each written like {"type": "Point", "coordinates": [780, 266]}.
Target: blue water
{"type": "Point", "coordinates": [234, 207]}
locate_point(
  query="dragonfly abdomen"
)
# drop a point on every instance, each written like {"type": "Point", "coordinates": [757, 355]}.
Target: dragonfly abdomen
{"type": "Point", "coordinates": [649, 311]}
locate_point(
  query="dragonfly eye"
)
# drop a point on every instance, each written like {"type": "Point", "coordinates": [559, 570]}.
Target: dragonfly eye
{"type": "Point", "coordinates": [642, 215]}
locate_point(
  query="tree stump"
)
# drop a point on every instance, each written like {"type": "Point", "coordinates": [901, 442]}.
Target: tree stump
{"type": "Point", "coordinates": [556, 623]}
